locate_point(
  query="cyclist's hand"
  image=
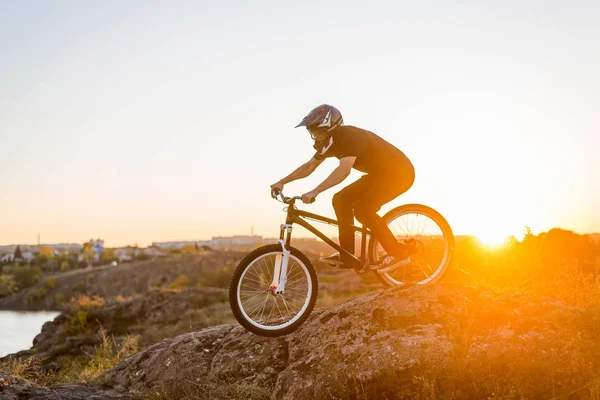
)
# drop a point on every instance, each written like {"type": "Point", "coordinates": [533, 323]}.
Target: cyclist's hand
{"type": "Point", "coordinates": [276, 188]}
{"type": "Point", "coordinates": [309, 197]}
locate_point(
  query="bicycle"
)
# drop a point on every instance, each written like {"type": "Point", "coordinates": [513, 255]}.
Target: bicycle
{"type": "Point", "coordinates": [274, 288]}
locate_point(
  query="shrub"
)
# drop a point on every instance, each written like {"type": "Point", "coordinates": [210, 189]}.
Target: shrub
{"type": "Point", "coordinates": [26, 276]}
{"type": "Point", "coordinates": [26, 368]}
{"type": "Point", "coordinates": [50, 283]}
{"type": "Point", "coordinates": [142, 257]}
{"type": "Point", "coordinates": [41, 260]}
{"type": "Point", "coordinates": [65, 266]}
{"type": "Point", "coordinates": [80, 286]}
{"type": "Point", "coordinates": [7, 285]}
{"type": "Point", "coordinates": [60, 298]}
{"type": "Point", "coordinates": [38, 294]}
{"type": "Point", "coordinates": [107, 355]}
{"type": "Point", "coordinates": [86, 303]}
{"type": "Point", "coordinates": [182, 282]}
{"type": "Point", "coordinates": [76, 323]}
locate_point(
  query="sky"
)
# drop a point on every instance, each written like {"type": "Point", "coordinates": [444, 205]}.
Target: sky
{"type": "Point", "coordinates": [146, 121]}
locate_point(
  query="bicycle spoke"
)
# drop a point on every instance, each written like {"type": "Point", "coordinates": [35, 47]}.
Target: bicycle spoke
{"type": "Point", "coordinates": [253, 297]}
{"type": "Point", "coordinates": [286, 305]}
{"type": "Point", "coordinates": [279, 309]}
{"type": "Point", "coordinates": [263, 308]}
{"type": "Point", "coordinates": [253, 289]}
{"type": "Point", "coordinates": [267, 309]}
{"type": "Point", "coordinates": [270, 313]}
{"type": "Point", "coordinates": [257, 307]}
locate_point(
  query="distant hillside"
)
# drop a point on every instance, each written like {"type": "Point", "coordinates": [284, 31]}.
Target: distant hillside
{"type": "Point", "coordinates": [124, 280]}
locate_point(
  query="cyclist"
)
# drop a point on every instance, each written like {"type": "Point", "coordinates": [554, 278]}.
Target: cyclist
{"type": "Point", "coordinates": [388, 174]}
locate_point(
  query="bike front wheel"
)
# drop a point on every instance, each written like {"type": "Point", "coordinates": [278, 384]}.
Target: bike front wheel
{"type": "Point", "coordinates": [428, 239]}
{"type": "Point", "coordinates": [257, 307]}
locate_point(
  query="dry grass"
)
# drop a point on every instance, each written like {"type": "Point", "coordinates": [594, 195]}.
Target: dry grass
{"type": "Point", "coordinates": [25, 368]}
{"type": "Point", "coordinates": [108, 354]}
{"type": "Point", "coordinates": [82, 369]}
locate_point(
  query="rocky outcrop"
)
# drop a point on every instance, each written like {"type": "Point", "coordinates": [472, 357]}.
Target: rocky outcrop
{"type": "Point", "coordinates": [396, 344]}
{"type": "Point", "coordinates": [14, 388]}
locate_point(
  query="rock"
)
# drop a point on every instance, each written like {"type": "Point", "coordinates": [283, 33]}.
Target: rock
{"type": "Point", "coordinates": [151, 315]}
{"type": "Point", "coordinates": [15, 388]}
{"type": "Point", "coordinates": [394, 344]}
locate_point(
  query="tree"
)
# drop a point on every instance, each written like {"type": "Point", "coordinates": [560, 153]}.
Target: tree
{"type": "Point", "coordinates": [7, 285]}
{"type": "Point", "coordinates": [26, 276]}
{"type": "Point", "coordinates": [64, 266]}
{"type": "Point", "coordinates": [46, 251]}
{"type": "Point", "coordinates": [88, 252]}
{"type": "Point", "coordinates": [18, 254]}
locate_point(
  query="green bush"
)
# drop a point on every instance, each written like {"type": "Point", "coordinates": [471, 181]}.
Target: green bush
{"type": "Point", "coordinates": [76, 323]}
{"type": "Point", "coordinates": [41, 260]}
{"type": "Point", "coordinates": [80, 286]}
{"type": "Point", "coordinates": [50, 283]}
{"type": "Point", "coordinates": [26, 276]}
{"type": "Point", "coordinates": [65, 266]}
{"type": "Point", "coordinates": [38, 294]}
{"type": "Point", "coordinates": [7, 285]}
{"type": "Point", "coordinates": [7, 269]}
{"type": "Point", "coordinates": [60, 298]}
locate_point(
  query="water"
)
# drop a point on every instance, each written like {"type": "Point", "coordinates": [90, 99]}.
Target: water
{"type": "Point", "coordinates": [17, 329]}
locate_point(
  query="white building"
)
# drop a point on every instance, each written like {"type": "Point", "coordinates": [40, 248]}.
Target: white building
{"type": "Point", "coordinates": [7, 258]}
{"type": "Point", "coordinates": [232, 241]}
{"type": "Point", "coordinates": [172, 245]}
{"type": "Point", "coordinates": [153, 251]}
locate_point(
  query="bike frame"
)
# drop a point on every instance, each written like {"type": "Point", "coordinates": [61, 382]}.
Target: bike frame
{"type": "Point", "coordinates": [296, 216]}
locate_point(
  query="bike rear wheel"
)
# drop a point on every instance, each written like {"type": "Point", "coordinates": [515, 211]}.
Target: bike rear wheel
{"type": "Point", "coordinates": [428, 238]}
{"type": "Point", "coordinates": [259, 309]}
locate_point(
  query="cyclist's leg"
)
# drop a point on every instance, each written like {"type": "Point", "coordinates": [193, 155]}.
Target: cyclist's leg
{"type": "Point", "coordinates": [343, 204]}
{"type": "Point", "coordinates": [382, 190]}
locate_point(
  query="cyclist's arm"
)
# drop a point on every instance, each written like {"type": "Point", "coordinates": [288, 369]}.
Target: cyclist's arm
{"type": "Point", "coordinates": [338, 175]}
{"type": "Point", "coordinates": [302, 171]}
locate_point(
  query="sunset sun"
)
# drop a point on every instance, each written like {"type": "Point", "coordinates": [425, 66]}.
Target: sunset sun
{"type": "Point", "coordinates": [492, 239]}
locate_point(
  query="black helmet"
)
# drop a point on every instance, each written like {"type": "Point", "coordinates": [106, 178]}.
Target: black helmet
{"type": "Point", "coordinates": [323, 116]}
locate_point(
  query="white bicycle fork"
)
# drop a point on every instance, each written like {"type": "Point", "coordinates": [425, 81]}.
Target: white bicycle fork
{"type": "Point", "coordinates": [281, 265]}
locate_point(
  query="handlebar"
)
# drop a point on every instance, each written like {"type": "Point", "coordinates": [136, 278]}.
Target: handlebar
{"type": "Point", "coordinates": [284, 199]}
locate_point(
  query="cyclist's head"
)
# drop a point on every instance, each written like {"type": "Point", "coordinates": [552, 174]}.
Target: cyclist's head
{"type": "Point", "coordinates": [322, 120]}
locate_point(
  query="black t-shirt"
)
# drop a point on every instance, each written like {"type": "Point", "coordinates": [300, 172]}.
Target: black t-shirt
{"type": "Point", "coordinates": [373, 154]}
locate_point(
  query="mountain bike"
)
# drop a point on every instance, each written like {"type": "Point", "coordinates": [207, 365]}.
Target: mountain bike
{"type": "Point", "coordinates": [274, 288]}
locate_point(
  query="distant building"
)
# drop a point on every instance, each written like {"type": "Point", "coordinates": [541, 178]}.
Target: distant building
{"type": "Point", "coordinates": [127, 253]}
{"type": "Point", "coordinates": [7, 258]}
{"type": "Point", "coordinates": [233, 241]}
{"type": "Point", "coordinates": [153, 251]}
{"type": "Point", "coordinates": [216, 242]}
{"type": "Point", "coordinates": [172, 245]}
{"type": "Point", "coordinates": [27, 255]}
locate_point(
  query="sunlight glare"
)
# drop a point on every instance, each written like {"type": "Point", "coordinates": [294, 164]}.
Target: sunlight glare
{"type": "Point", "coordinates": [492, 239]}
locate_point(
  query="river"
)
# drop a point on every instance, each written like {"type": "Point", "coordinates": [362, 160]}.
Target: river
{"type": "Point", "coordinates": [17, 329]}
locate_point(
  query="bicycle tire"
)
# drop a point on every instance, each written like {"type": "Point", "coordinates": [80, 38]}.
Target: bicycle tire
{"type": "Point", "coordinates": [235, 283]}
{"type": "Point", "coordinates": [442, 224]}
